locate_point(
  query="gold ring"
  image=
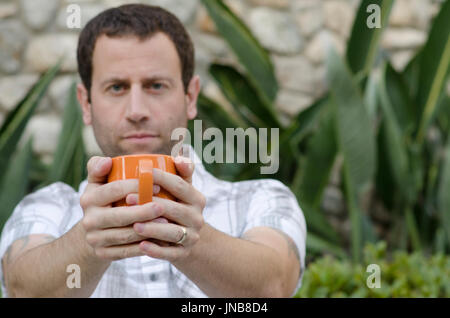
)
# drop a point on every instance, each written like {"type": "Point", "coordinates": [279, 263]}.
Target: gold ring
{"type": "Point", "coordinates": [183, 237]}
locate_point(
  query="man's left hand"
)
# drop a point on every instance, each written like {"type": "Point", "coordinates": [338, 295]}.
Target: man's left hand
{"type": "Point", "coordinates": [187, 212]}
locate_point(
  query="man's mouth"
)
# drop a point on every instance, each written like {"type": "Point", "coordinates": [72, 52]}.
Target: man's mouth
{"type": "Point", "coordinates": [140, 137]}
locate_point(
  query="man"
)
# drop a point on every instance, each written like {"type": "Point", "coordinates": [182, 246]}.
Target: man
{"type": "Point", "coordinates": [219, 239]}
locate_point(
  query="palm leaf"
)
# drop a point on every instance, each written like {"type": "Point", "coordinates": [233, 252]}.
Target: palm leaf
{"type": "Point", "coordinates": [370, 96]}
{"type": "Point", "coordinates": [315, 243]}
{"type": "Point", "coordinates": [14, 125]}
{"type": "Point", "coordinates": [354, 129]}
{"type": "Point", "coordinates": [250, 53]}
{"type": "Point", "coordinates": [243, 97]}
{"type": "Point", "coordinates": [401, 103]}
{"type": "Point", "coordinates": [305, 122]}
{"type": "Point", "coordinates": [317, 223]}
{"type": "Point", "coordinates": [15, 183]}
{"type": "Point", "coordinates": [320, 156]}
{"type": "Point", "coordinates": [434, 66]}
{"type": "Point", "coordinates": [69, 158]}
{"type": "Point", "coordinates": [215, 115]}
{"type": "Point", "coordinates": [444, 193]}
{"type": "Point", "coordinates": [443, 111]}
{"type": "Point", "coordinates": [356, 141]}
{"type": "Point", "coordinates": [411, 77]}
{"type": "Point", "coordinates": [363, 43]}
{"type": "Point", "coordinates": [393, 135]}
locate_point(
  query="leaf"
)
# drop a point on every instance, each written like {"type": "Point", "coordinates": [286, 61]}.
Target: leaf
{"type": "Point", "coordinates": [385, 184]}
{"type": "Point", "coordinates": [393, 141]}
{"type": "Point", "coordinates": [243, 97]}
{"type": "Point", "coordinates": [213, 115]}
{"type": "Point", "coordinates": [370, 96]}
{"type": "Point", "coordinates": [79, 162]}
{"type": "Point", "coordinates": [353, 127]}
{"type": "Point", "coordinates": [443, 191]}
{"type": "Point", "coordinates": [314, 173]}
{"type": "Point", "coordinates": [413, 231]}
{"type": "Point", "coordinates": [305, 122]}
{"type": "Point", "coordinates": [320, 156]}
{"type": "Point", "coordinates": [401, 103]}
{"type": "Point", "coordinates": [317, 222]}
{"type": "Point", "coordinates": [69, 158]}
{"type": "Point", "coordinates": [443, 112]}
{"type": "Point", "coordinates": [39, 172]}
{"type": "Point", "coordinates": [411, 76]}
{"type": "Point", "coordinates": [14, 125]}
{"type": "Point", "coordinates": [317, 244]}
{"type": "Point", "coordinates": [15, 182]}
{"type": "Point", "coordinates": [250, 53]}
{"type": "Point", "coordinates": [434, 66]}
{"type": "Point", "coordinates": [216, 115]}
{"type": "Point", "coordinates": [355, 139]}
{"type": "Point", "coordinates": [363, 43]}
{"type": "Point", "coordinates": [368, 231]}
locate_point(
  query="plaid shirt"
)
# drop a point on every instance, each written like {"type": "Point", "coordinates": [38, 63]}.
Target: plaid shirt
{"type": "Point", "coordinates": [232, 207]}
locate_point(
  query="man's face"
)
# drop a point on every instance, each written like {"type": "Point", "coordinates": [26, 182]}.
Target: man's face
{"type": "Point", "coordinates": [137, 95]}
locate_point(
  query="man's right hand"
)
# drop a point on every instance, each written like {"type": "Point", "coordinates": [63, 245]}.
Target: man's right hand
{"type": "Point", "coordinates": [109, 230]}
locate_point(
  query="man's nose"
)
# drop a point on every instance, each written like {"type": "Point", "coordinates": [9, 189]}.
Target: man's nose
{"type": "Point", "coordinates": [137, 109]}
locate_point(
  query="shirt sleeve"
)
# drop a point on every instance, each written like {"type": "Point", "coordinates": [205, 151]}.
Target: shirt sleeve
{"type": "Point", "coordinates": [41, 212]}
{"type": "Point", "coordinates": [274, 205]}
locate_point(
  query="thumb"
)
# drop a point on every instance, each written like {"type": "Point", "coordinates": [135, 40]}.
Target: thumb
{"type": "Point", "coordinates": [98, 169]}
{"type": "Point", "coordinates": [185, 168]}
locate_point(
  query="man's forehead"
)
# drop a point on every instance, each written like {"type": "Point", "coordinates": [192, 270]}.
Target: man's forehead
{"type": "Point", "coordinates": [120, 45]}
{"type": "Point", "coordinates": [157, 51]}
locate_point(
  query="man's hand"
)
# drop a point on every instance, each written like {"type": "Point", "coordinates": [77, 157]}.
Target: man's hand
{"type": "Point", "coordinates": [186, 212]}
{"type": "Point", "coordinates": [109, 230]}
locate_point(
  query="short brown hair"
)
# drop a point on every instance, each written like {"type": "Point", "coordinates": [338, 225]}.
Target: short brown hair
{"type": "Point", "coordinates": [139, 20]}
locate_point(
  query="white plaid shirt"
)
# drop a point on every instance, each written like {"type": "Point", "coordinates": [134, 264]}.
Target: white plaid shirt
{"type": "Point", "coordinates": [232, 207]}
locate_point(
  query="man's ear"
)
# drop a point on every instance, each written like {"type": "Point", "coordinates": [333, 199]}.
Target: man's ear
{"type": "Point", "coordinates": [192, 96]}
{"type": "Point", "coordinates": [82, 96]}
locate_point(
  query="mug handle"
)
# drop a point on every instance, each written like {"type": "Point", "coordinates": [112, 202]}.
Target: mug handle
{"type": "Point", "coordinates": [145, 181]}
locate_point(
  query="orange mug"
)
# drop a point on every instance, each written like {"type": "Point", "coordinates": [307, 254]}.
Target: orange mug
{"type": "Point", "coordinates": [141, 167]}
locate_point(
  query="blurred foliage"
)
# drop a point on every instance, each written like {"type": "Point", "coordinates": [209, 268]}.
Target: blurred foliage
{"type": "Point", "coordinates": [401, 275]}
{"type": "Point", "coordinates": [390, 129]}
{"type": "Point", "coordinates": [22, 170]}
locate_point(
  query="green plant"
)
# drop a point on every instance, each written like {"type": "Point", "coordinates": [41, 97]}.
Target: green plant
{"type": "Point", "coordinates": [22, 171]}
{"type": "Point", "coordinates": [14, 180]}
{"type": "Point", "coordinates": [374, 118]}
{"type": "Point", "coordinates": [411, 104]}
{"type": "Point", "coordinates": [401, 275]}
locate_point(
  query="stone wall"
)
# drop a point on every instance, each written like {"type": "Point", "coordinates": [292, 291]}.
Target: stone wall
{"type": "Point", "coordinates": [34, 34]}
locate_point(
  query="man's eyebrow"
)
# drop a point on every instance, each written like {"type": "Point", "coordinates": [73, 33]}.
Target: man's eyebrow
{"type": "Point", "coordinates": [157, 78]}
{"type": "Point", "coordinates": [112, 80]}
{"type": "Point", "coordinates": [145, 80]}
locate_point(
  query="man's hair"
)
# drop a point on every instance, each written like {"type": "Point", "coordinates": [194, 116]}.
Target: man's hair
{"type": "Point", "coordinates": [142, 21]}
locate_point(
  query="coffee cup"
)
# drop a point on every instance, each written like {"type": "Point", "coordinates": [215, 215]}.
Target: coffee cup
{"type": "Point", "coordinates": [141, 167]}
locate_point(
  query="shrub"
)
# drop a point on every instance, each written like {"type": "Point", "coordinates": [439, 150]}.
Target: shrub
{"type": "Point", "coordinates": [401, 275]}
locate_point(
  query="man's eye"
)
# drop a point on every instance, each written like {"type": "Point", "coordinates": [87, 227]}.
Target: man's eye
{"type": "Point", "coordinates": [116, 87]}
{"type": "Point", "coordinates": [157, 86]}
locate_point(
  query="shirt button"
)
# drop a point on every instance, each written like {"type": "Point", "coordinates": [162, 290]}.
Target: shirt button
{"type": "Point", "coordinates": [153, 277]}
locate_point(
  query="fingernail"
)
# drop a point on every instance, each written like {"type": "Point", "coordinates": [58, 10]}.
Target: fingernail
{"type": "Point", "coordinates": [178, 159]}
{"type": "Point", "coordinates": [156, 189]}
{"type": "Point", "coordinates": [160, 220]}
{"type": "Point", "coordinates": [100, 163]}
{"type": "Point", "coordinates": [131, 199]}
